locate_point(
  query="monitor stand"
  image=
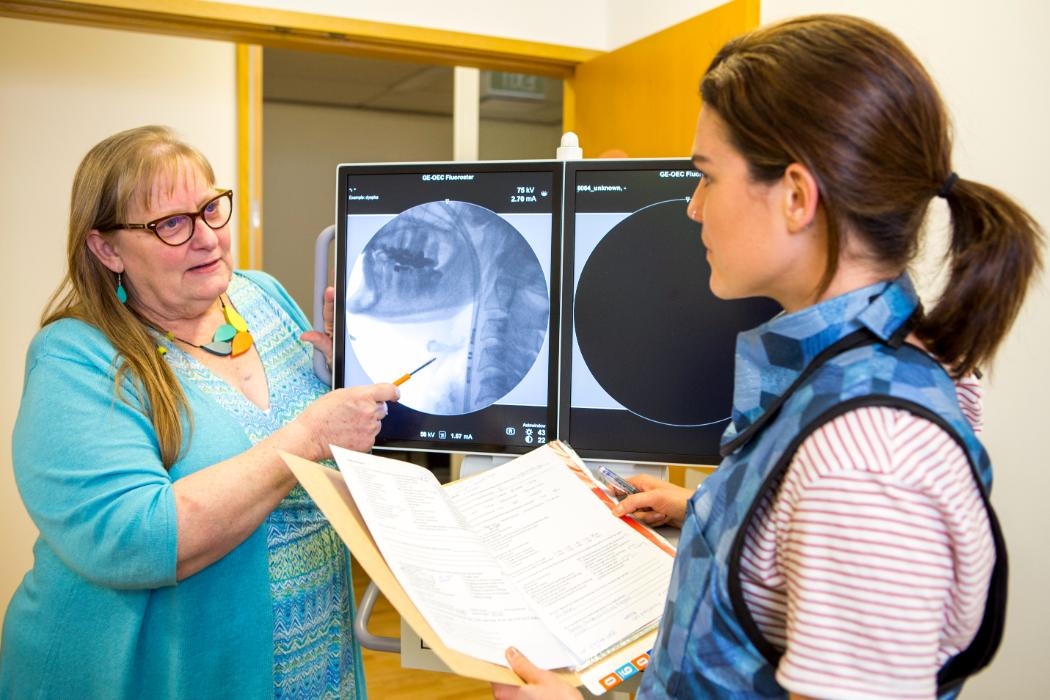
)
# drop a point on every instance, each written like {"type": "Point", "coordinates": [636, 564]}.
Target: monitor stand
{"type": "Point", "coordinates": [475, 464]}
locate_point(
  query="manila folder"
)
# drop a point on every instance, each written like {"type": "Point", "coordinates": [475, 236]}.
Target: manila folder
{"type": "Point", "coordinates": [329, 491]}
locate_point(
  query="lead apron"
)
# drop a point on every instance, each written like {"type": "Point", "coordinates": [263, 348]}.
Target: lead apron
{"type": "Point", "coordinates": [794, 374]}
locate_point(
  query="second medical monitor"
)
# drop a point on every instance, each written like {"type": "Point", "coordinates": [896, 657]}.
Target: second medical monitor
{"type": "Point", "coordinates": [647, 349]}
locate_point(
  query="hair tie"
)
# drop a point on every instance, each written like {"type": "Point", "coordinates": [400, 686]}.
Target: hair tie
{"type": "Point", "coordinates": [947, 186]}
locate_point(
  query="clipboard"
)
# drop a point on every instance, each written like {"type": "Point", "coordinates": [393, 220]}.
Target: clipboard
{"type": "Point", "coordinates": [329, 492]}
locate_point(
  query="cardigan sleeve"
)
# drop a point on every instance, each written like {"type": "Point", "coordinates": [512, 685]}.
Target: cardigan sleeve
{"type": "Point", "coordinates": [88, 466]}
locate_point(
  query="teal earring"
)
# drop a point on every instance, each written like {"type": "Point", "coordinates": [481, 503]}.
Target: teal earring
{"type": "Point", "coordinates": [122, 294]}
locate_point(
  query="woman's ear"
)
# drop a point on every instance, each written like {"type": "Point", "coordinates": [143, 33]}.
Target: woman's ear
{"type": "Point", "coordinates": [102, 248]}
{"type": "Point", "coordinates": [801, 197]}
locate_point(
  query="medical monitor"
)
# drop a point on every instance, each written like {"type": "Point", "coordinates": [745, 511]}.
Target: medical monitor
{"type": "Point", "coordinates": [454, 266]}
{"type": "Point", "coordinates": [647, 349]}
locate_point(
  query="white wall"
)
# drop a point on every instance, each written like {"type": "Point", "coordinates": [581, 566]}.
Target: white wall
{"type": "Point", "coordinates": [63, 89]}
{"type": "Point", "coordinates": [589, 24]}
{"type": "Point", "coordinates": [989, 60]}
{"type": "Point", "coordinates": [629, 20]}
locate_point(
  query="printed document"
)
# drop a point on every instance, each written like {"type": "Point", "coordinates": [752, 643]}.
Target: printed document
{"type": "Point", "coordinates": [527, 554]}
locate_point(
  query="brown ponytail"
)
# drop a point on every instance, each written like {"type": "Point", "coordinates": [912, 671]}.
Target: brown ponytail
{"type": "Point", "coordinates": [848, 100]}
{"type": "Point", "coordinates": [994, 254]}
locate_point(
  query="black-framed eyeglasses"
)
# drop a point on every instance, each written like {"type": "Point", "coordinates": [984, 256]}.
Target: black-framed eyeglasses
{"type": "Point", "coordinates": [176, 229]}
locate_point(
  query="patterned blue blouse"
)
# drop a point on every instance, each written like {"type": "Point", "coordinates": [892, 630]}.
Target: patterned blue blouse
{"type": "Point", "coordinates": [315, 655]}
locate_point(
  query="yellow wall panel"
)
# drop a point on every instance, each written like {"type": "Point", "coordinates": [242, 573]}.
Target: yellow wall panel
{"type": "Point", "coordinates": [642, 99]}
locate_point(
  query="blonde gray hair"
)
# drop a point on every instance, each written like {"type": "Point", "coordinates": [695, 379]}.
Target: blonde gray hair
{"type": "Point", "coordinates": [114, 176]}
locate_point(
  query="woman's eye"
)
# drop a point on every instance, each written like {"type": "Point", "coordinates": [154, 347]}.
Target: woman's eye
{"type": "Point", "coordinates": [171, 223]}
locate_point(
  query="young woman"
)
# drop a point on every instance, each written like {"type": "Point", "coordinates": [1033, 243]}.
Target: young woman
{"type": "Point", "coordinates": [845, 547]}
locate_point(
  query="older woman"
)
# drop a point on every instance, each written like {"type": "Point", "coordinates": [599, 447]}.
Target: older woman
{"type": "Point", "coordinates": [177, 557]}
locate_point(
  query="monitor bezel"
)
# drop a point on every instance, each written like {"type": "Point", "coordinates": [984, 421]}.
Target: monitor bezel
{"type": "Point", "coordinates": [344, 172]}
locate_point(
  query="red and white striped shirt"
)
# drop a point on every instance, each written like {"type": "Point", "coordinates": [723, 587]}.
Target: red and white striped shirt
{"type": "Point", "coordinates": [870, 564]}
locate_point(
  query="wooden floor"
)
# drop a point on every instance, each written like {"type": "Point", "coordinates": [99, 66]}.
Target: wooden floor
{"type": "Point", "coordinates": [386, 679]}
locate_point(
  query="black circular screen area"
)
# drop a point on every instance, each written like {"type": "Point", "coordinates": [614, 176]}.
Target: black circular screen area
{"type": "Point", "coordinates": [650, 330]}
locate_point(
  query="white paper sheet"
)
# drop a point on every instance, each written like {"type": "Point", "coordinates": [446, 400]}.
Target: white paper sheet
{"type": "Point", "coordinates": [443, 566]}
{"type": "Point", "coordinates": [480, 557]}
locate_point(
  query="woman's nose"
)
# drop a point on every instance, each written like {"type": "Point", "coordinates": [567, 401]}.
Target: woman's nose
{"type": "Point", "coordinates": [204, 236]}
{"type": "Point", "coordinates": [695, 208]}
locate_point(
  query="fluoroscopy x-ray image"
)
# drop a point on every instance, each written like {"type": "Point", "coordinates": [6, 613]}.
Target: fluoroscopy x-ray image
{"type": "Point", "coordinates": [452, 281]}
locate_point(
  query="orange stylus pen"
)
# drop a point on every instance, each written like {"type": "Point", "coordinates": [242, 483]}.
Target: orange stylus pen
{"type": "Point", "coordinates": [405, 377]}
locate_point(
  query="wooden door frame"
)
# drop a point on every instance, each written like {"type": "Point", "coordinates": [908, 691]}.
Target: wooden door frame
{"type": "Point", "coordinates": [241, 24]}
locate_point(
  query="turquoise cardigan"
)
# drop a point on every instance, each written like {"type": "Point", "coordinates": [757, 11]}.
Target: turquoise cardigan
{"type": "Point", "coordinates": [100, 614]}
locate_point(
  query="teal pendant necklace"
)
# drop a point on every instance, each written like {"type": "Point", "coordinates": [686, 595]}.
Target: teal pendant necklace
{"type": "Point", "coordinates": [230, 340]}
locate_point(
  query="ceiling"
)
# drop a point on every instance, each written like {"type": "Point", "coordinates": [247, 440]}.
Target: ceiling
{"type": "Point", "coordinates": [305, 77]}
